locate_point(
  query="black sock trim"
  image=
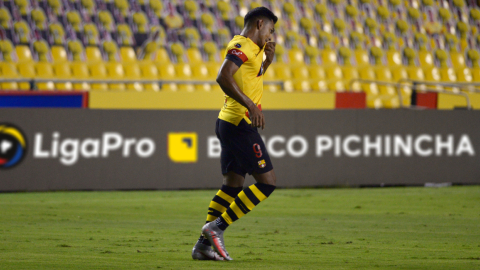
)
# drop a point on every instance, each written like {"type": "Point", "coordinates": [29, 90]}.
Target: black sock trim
{"type": "Point", "coordinates": [214, 212]}
{"type": "Point", "coordinates": [221, 201]}
{"type": "Point", "coordinates": [265, 188]}
{"type": "Point", "coordinates": [231, 191]}
{"type": "Point", "coordinates": [251, 196]}
{"type": "Point", "coordinates": [221, 223]}
{"type": "Point", "coordinates": [241, 205]}
{"type": "Point", "coordinates": [231, 214]}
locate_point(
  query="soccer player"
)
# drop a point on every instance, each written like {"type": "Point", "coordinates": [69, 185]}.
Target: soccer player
{"type": "Point", "coordinates": [248, 56]}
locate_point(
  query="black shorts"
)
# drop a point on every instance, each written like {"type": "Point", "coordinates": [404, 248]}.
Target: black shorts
{"type": "Point", "coordinates": [243, 150]}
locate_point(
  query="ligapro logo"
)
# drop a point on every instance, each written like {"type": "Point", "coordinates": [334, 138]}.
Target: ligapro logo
{"type": "Point", "coordinates": [69, 150]}
{"type": "Point", "coordinates": [13, 145]}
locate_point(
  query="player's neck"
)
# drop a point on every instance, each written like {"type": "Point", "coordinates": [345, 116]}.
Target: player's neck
{"type": "Point", "coordinates": [251, 34]}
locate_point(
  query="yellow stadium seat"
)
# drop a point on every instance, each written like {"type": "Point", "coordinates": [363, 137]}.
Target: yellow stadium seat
{"type": "Point", "coordinates": [447, 74]}
{"type": "Point", "coordinates": [425, 58]}
{"type": "Point", "coordinates": [123, 6]}
{"type": "Point", "coordinates": [317, 72]}
{"type": "Point", "coordinates": [374, 102]}
{"type": "Point", "coordinates": [23, 6]}
{"type": "Point", "coordinates": [368, 73]}
{"type": "Point", "coordinates": [62, 71]}
{"type": "Point", "coordinates": [336, 85]}
{"type": "Point", "coordinates": [115, 72]}
{"type": "Point", "coordinates": [301, 79]}
{"type": "Point", "coordinates": [5, 18]}
{"type": "Point", "coordinates": [457, 59]}
{"type": "Point", "coordinates": [300, 72]}
{"type": "Point", "coordinates": [59, 54]}
{"type": "Point", "coordinates": [22, 30]}
{"type": "Point", "coordinates": [166, 71]}
{"type": "Point", "coordinates": [106, 20]}
{"type": "Point", "coordinates": [282, 71]}
{"type": "Point", "coordinates": [385, 75]}
{"type": "Point", "coordinates": [89, 6]}
{"type": "Point", "coordinates": [91, 34]}
{"type": "Point", "coordinates": [56, 6]}
{"type": "Point", "coordinates": [334, 72]}
{"type": "Point", "coordinates": [149, 72]}
{"type": "Point", "coordinates": [394, 58]}
{"type": "Point", "coordinates": [9, 71]}
{"type": "Point", "coordinates": [38, 16]}
{"type": "Point", "coordinates": [133, 72]}
{"type": "Point", "coordinates": [464, 75]}
{"type": "Point", "coordinates": [415, 73]}
{"type": "Point", "coordinates": [399, 73]}
{"type": "Point", "coordinates": [183, 72]}
{"type": "Point", "coordinates": [93, 54]}
{"type": "Point", "coordinates": [270, 76]}
{"type": "Point", "coordinates": [200, 73]}
{"type": "Point", "coordinates": [194, 56]}
{"type": "Point", "coordinates": [335, 78]}
{"type": "Point", "coordinates": [476, 74]}
{"type": "Point", "coordinates": [98, 71]}
{"type": "Point", "coordinates": [296, 56]}
{"type": "Point", "coordinates": [390, 102]}
{"type": "Point", "coordinates": [329, 57]}
{"type": "Point", "coordinates": [128, 54]}
{"type": "Point", "coordinates": [80, 72]}
{"type": "Point", "coordinates": [141, 22]}
{"type": "Point", "coordinates": [44, 70]}
{"type": "Point", "coordinates": [162, 56]}
{"type": "Point", "coordinates": [301, 85]}
{"type": "Point", "coordinates": [361, 57]}
{"type": "Point", "coordinates": [58, 33]}
{"type": "Point", "coordinates": [319, 85]}
{"type": "Point", "coordinates": [317, 78]}
{"type": "Point", "coordinates": [125, 34]}
{"type": "Point", "coordinates": [213, 68]}
{"type": "Point", "coordinates": [26, 70]}
{"type": "Point", "coordinates": [23, 53]}
{"type": "Point", "coordinates": [432, 74]}
{"type": "Point", "coordinates": [350, 73]}
{"type": "Point", "coordinates": [74, 19]}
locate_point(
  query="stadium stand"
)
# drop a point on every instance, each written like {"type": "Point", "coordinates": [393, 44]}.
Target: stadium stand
{"type": "Point", "coordinates": [322, 45]}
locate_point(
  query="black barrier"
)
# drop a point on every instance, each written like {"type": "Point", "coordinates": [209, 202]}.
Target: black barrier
{"type": "Point", "coordinates": [68, 149]}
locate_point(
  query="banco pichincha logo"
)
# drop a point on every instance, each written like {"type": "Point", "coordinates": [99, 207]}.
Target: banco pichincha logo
{"type": "Point", "coordinates": [13, 145]}
{"type": "Point", "coordinates": [182, 147]}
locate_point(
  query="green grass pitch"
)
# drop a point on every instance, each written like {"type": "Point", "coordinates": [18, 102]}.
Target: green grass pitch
{"type": "Point", "coordinates": [367, 228]}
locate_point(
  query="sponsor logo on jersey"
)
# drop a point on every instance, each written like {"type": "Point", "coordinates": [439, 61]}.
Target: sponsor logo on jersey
{"type": "Point", "coordinates": [182, 147]}
{"type": "Point", "coordinates": [239, 54]}
{"type": "Point", "coordinates": [13, 146]}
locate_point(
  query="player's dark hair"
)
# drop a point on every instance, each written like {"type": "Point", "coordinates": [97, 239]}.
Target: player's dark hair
{"type": "Point", "coordinates": [260, 12]}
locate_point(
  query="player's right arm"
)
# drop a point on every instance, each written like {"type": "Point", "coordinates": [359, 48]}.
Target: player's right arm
{"type": "Point", "coordinates": [231, 89]}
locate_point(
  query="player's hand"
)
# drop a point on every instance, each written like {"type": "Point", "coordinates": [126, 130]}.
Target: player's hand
{"type": "Point", "coordinates": [270, 51]}
{"type": "Point", "coordinates": [256, 117]}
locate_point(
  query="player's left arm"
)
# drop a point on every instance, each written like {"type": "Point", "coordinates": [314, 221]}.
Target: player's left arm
{"type": "Point", "coordinates": [269, 53]}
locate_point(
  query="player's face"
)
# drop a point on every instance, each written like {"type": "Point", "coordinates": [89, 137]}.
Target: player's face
{"type": "Point", "coordinates": [266, 32]}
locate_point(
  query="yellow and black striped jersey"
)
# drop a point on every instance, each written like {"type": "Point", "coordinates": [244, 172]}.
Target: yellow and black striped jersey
{"type": "Point", "coordinates": [249, 57]}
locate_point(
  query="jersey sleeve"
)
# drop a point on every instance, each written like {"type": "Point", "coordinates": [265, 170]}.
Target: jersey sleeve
{"type": "Point", "coordinates": [237, 52]}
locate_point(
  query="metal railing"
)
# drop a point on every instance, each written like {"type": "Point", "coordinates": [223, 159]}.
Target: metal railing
{"type": "Point", "coordinates": [34, 81]}
{"type": "Point", "coordinates": [418, 85]}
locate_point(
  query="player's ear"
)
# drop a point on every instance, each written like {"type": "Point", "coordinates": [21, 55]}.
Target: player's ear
{"type": "Point", "coordinates": [259, 24]}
